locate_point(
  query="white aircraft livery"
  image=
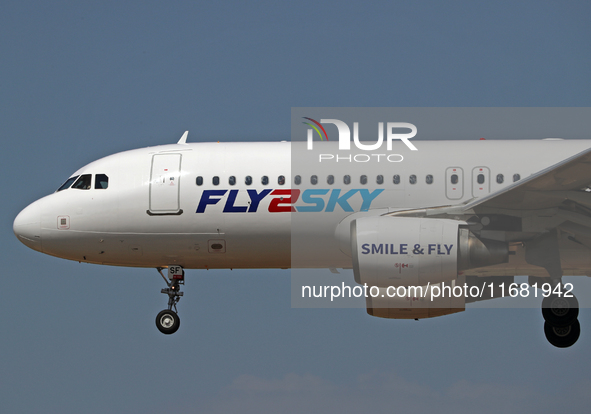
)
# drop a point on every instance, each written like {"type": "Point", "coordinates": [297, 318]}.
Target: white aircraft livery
{"type": "Point", "coordinates": [467, 215]}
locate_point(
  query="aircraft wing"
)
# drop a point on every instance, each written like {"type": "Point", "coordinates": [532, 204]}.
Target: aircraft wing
{"type": "Point", "coordinates": [548, 188]}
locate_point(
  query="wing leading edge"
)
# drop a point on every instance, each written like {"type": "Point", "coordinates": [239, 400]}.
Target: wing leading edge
{"type": "Point", "coordinates": [566, 180]}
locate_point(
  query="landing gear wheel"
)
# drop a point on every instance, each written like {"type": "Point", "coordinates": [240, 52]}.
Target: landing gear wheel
{"type": "Point", "coordinates": [560, 311]}
{"type": "Point", "coordinates": [563, 336]}
{"type": "Point", "coordinates": [168, 322]}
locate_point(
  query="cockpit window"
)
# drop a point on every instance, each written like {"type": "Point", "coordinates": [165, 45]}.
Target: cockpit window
{"type": "Point", "coordinates": [101, 182]}
{"type": "Point", "coordinates": [67, 184]}
{"type": "Point", "coordinates": [83, 182]}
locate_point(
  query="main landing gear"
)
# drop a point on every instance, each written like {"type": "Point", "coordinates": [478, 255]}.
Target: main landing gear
{"type": "Point", "coordinates": [168, 321]}
{"type": "Point", "coordinates": [560, 312]}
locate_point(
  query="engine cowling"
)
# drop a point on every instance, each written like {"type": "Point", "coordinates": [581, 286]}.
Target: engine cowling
{"type": "Point", "coordinates": [415, 303]}
{"type": "Point", "coordinates": [409, 251]}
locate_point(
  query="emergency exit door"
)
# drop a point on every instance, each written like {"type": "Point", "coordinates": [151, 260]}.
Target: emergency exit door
{"type": "Point", "coordinates": [454, 183]}
{"type": "Point", "coordinates": [165, 177]}
{"type": "Point", "coordinates": [480, 181]}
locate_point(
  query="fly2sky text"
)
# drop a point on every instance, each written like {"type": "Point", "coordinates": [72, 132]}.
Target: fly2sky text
{"type": "Point", "coordinates": [311, 200]}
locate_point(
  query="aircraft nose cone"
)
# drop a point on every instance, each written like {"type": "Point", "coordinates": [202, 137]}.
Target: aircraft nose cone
{"type": "Point", "coordinates": [27, 226]}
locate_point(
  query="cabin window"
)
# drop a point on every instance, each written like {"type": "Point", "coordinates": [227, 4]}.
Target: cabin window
{"type": "Point", "coordinates": [363, 179]}
{"type": "Point", "coordinates": [101, 182]}
{"type": "Point", "coordinates": [232, 180]}
{"type": "Point", "coordinates": [412, 179]}
{"type": "Point", "coordinates": [516, 177]}
{"type": "Point", "coordinates": [480, 178]}
{"type": "Point", "coordinates": [264, 180]}
{"type": "Point", "coordinates": [429, 179]}
{"type": "Point", "coordinates": [215, 180]}
{"type": "Point", "coordinates": [199, 180]}
{"type": "Point", "coordinates": [83, 182]}
{"type": "Point", "coordinates": [314, 180]}
{"type": "Point", "coordinates": [330, 180]}
{"type": "Point", "coordinates": [500, 178]}
{"type": "Point", "coordinates": [380, 179]}
{"type": "Point", "coordinates": [68, 183]}
{"type": "Point", "coordinates": [297, 180]}
{"type": "Point", "coordinates": [454, 179]}
{"type": "Point", "coordinates": [347, 179]}
{"type": "Point", "coordinates": [396, 179]}
{"type": "Point", "coordinates": [248, 180]}
{"type": "Point", "coordinates": [281, 180]}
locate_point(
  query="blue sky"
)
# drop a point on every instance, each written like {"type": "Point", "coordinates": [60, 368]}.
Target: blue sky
{"type": "Point", "coordinates": [81, 80]}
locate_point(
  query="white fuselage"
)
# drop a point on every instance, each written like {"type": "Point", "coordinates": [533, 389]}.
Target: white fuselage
{"type": "Point", "coordinates": [178, 204]}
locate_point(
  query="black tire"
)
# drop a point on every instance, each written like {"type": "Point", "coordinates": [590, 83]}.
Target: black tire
{"type": "Point", "coordinates": [168, 322]}
{"type": "Point", "coordinates": [560, 311]}
{"type": "Point", "coordinates": [562, 336]}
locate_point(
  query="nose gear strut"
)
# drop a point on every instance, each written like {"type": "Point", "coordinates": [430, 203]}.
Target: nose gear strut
{"type": "Point", "coordinates": [168, 321]}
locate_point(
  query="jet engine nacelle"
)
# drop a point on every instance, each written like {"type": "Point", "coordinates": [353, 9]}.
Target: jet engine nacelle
{"type": "Point", "coordinates": [416, 302]}
{"type": "Point", "coordinates": [408, 251]}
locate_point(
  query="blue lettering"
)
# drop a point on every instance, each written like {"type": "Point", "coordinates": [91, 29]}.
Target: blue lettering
{"type": "Point", "coordinates": [382, 248]}
{"type": "Point", "coordinates": [308, 199]}
{"type": "Point", "coordinates": [256, 198]}
{"type": "Point", "coordinates": [206, 199]}
{"type": "Point", "coordinates": [229, 207]}
{"type": "Point", "coordinates": [368, 198]}
{"type": "Point", "coordinates": [341, 201]}
{"type": "Point", "coordinates": [311, 198]}
{"type": "Point", "coordinates": [376, 249]}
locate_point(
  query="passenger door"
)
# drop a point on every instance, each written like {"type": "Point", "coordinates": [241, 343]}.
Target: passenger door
{"type": "Point", "coordinates": [165, 177]}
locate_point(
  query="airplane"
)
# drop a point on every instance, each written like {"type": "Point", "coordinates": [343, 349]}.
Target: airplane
{"type": "Point", "coordinates": [467, 214]}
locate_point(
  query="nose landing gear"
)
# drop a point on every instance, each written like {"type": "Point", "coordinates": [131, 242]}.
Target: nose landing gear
{"type": "Point", "coordinates": [168, 321]}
